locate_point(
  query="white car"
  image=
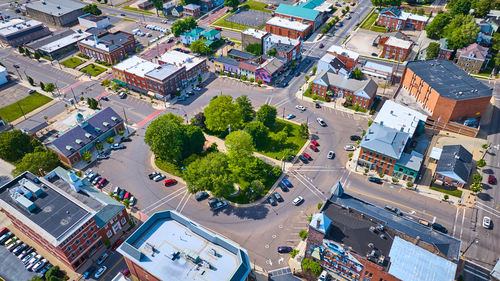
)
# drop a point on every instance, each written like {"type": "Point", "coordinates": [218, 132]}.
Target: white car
{"type": "Point", "coordinates": [99, 272]}
{"type": "Point", "coordinates": [349, 148]}
{"type": "Point", "coordinates": [39, 265]}
{"type": "Point", "coordinates": [300, 107]}
{"type": "Point", "coordinates": [298, 200]}
{"type": "Point", "coordinates": [102, 258]}
{"type": "Point", "coordinates": [486, 222]}
{"type": "Point", "coordinates": [331, 154]}
{"type": "Point", "coordinates": [321, 122]}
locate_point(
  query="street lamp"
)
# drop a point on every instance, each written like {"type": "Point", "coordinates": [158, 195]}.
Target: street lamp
{"type": "Point", "coordinates": [475, 241]}
{"type": "Point", "coordinates": [17, 69]}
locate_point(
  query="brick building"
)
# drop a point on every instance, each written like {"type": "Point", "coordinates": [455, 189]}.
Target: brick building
{"type": "Point", "coordinates": [445, 92]}
{"type": "Point", "coordinates": [194, 66]}
{"type": "Point", "coordinates": [110, 47]}
{"type": "Point", "coordinates": [382, 38]}
{"type": "Point", "coordinates": [328, 85]}
{"type": "Point", "coordinates": [287, 48]}
{"type": "Point", "coordinates": [17, 32]}
{"type": "Point", "coordinates": [444, 52]}
{"type": "Point", "coordinates": [56, 12]}
{"type": "Point", "coordinates": [397, 49]}
{"type": "Point", "coordinates": [300, 14]}
{"type": "Point", "coordinates": [63, 214]}
{"type": "Point", "coordinates": [472, 58]}
{"type": "Point", "coordinates": [453, 167]}
{"type": "Point", "coordinates": [269, 70]}
{"type": "Point", "coordinates": [192, 10]}
{"type": "Point", "coordinates": [395, 19]}
{"type": "Point", "coordinates": [288, 28]}
{"type": "Point", "coordinates": [349, 58]}
{"type": "Point", "coordinates": [252, 36]}
{"type": "Point", "coordinates": [170, 247]}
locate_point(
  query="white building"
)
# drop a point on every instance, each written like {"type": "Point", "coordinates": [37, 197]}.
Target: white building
{"type": "Point", "coordinates": [89, 21]}
{"type": "Point", "coordinates": [397, 116]}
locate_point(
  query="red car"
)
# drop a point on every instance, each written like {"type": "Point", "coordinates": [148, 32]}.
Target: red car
{"type": "Point", "coordinates": [307, 156]}
{"type": "Point", "coordinates": [170, 182]}
{"type": "Point", "coordinates": [126, 272]}
{"type": "Point", "coordinates": [491, 179]}
{"type": "Point", "coordinates": [314, 148]}
{"type": "Point", "coordinates": [315, 143]}
{"type": "Point", "coordinates": [218, 28]}
{"type": "Point", "coordinates": [117, 243]}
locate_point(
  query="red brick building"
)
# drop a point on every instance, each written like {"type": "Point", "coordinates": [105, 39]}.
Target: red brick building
{"type": "Point", "coordinates": [110, 47]}
{"type": "Point", "coordinates": [444, 52]}
{"type": "Point", "coordinates": [396, 49]}
{"type": "Point", "coordinates": [445, 91]}
{"type": "Point", "coordinates": [192, 10]}
{"type": "Point", "coordinates": [300, 14]}
{"type": "Point", "coordinates": [71, 239]}
{"type": "Point", "coordinates": [382, 38]}
{"type": "Point", "coordinates": [288, 28]}
{"type": "Point", "coordinates": [395, 19]}
{"type": "Point", "coordinates": [349, 58]}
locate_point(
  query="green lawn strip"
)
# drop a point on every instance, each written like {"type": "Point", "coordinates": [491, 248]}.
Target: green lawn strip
{"type": "Point", "coordinates": [257, 6]}
{"type": "Point", "coordinates": [72, 62]}
{"type": "Point", "coordinates": [33, 101]}
{"type": "Point", "coordinates": [222, 22]}
{"type": "Point", "coordinates": [277, 150]}
{"type": "Point", "coordinates": [378, 29]}
{"type": "Point", "coordinates": [122, 3]}
{"type": "Point", "coordinates": [456, 193]}
{"type": "Point", "coordinates": [369, 22]}
{"type": "Point", "coordinates": [135, 10]}
{"type": "Point", "coordinates": [94, 71]}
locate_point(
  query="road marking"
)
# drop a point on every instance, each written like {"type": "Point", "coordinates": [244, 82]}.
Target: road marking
{"type": "Point", "coordinates": [493, 210]}
{"type": "Point", "coordinates": [313, 189]}
{"type": "Point", "coordinates": [463, 219]}
{"type": "Point", "coordinates": [477, 275]}
{"type": "Point", "coordinates": [455, 222]}
{"type": "Point", "coordinates": [281, 103]}
{"type": "Point", "coordinates": [162, 200]}
{"type": "Point", "coordinates": [488, 211]}
{"type": "Point", "coordinates": [111, 269]}
{"type": "Point", "coordinates": [71, 86]}
{"type": "Point", "coordinates": [433, 219]}
{"type": "Point", "coordinates": [281, 260]}
{"type": "Point", "coordinates": [185, 202]}
{"type": "Point", "coordinates": [156, 113]}
{"type": "Point", "coordinates": [182, 199]}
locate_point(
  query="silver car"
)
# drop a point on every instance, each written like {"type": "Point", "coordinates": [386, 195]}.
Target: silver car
{"type": "Point", "coordinates": [349, 147]}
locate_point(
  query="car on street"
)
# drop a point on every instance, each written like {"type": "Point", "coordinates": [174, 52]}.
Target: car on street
{"type": "Point", "coordinates": [201, 196]}
{"type": "Point", "coordinates": [159, 177]}
{"type": "Point", "coordinates": [321, 45]}
{"type": "Point", "coordinates": [300, 107]}
{"type": "Point", "coordinates": [283, 187]}
{"type": "Point", "coordinates": [284, 249]}
{"type": "Point", "coordinates": [170, 182]}
{"type": "Point", "coordinates": [170, 40]}
{"type": "Point", "coordinates": [290, 116]}
{"type": "Point", "coordinates": [100, 272]}
{"type": "Point", "coordinates": [331, 155]}
{"type": "Point", "coordinates": [102, 156]}
{"type": "Point", "coordinates": [349, 147]}
{"type": "Point", "coordinates": [394, 210]}
{"type": "Point", "coordinates": [375, 180]}
{"type": "Point", "coordinates": [303, 159]}
{"type": "Point", "coordinates": [117, 243]}
{"type": "Point", "coordinates": [271, 201]}
{"type": "Point", "coordinates": [105, 98]}
{"type": "Point", "coordinates": [125, 139]}
{"type": "Point", "coordinates": [374, 54]}
{"type": "Point", "coordinates": [298, 200]}
{"type": "Point", "coordinates": [219, 205]}
{"type": "Point", "coordinates": [354, 138]}
{"type": "Point", "coordinates": [307, 156]}
{"type": "Point", "coordinates": [321, 122]}
{"type": "Point", "coordinates": [286, 182]}
{"type": "Point", "coordinates": [486, 222]}
{"type": "Point", "coordinates": [349, 17]}
{"type": "Point", "coordinates": [439, 227]}
{"type": "Point", "coordinates": [314, 148]}
{"type": "Point", "coordinates": [122, 14]}
{"type": "Point", "coordinates": [153, 175]}
{"type": "Point", "coordinates": [317, 105]}
{"type": "Point", "coordinates": [277, 196]}
{"type": "Point", "coordinates": [89, 272]}
{"type": "Point", "coordinates": [122, 95]}
{"type": "Point", "coordinates": [492, 179]}
{"type": "Point", "coordinates": [315, 143]}
{"type": "Point", "coordinates": [102, 258]}
{"type": "Point", "coordinates": [116, 146]}
{"type": "Point", "coordinates": [132, 201]}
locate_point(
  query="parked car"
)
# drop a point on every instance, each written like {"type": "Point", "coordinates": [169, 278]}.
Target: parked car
{"type": "Point", "coordinates": [10, 241]}
{"type": "Point", "coordinates": [354, 138]}
{"type": "Point", "coordinates": [19, 249]}
{"type": "Point", "coordinates": [303, 159]}
{"type": "Point", "coordinates": [122, 194]}
{"type": "Point", "coordinates": [123, 95]}
{"type": "Point", "coordinates": [102, 258]}
{"type": "Point", "coordinates": [33, 261]}
{"type": "Point", "coordinates": [116, 146]}
{"type": "Point", "coordinates": [125, 139]}
{"type": "Point", "coordinates": [153, 175]}
{"type": "Point", "coordinates": [116, 190]}
{"type": "Point", "coordinates": [13, 245]}
{"type": "Point", "coordinates": [284, 249]}
{"type": "Point", "coordinates": [314, 148]}
{"type": "Point", "coordinates": [375, 180]}
{"type": "Point", "coordinates": [492, 179]}
{"type": "Point", "coordinates": [375, 54]}
{"type": "Point", "coordinates": [298, 200]}
{"type": "Point", "coordinates": [277, 196]}
{"type": "Point", "coordinates": [96, 180]}
{"type": "Point", "coordinates": [39, 265]}
{"type": "Point", "coordinates": [132, 201]}
{"type": "Point", "coordinates": [46, 268]}
{"type": "Point", "coordinates": [331, 155]}
{"type": "Point", "coordinates": [99, 272]}
{"type": "Point", "coordinates": [170, 182]}
{"type": "Point", "coordinates": [271, 201]}
{"type": "Point", "coordinates": [300, 107]}
{"type": "Point", "coordinates": [89, 272]}
{"type": "Point", "coordinates": [307, 156]}
{"type": "Point", "coordinates": [394, 210]}
{"type": "Point", "coordinates": [127, 196]}
{"type": "Point", "coordinates": [349, 147]}
{"type": "Point", "coordinates": [317, 105]}
{"type": "Point", "coordinates": [201, 196]}
{"type": "Point", "coordinates": [283, 186]}
{"type": "Point", "coordinates": [25, 252]}
{"type": "Point", "coordinates": [159, 177]}
{"type": "Point", "coordinates": [219, 205]}
{"type": "Point", "coordinates": [27, 258]}
{"type": "Point", "coordinates": [321, 45]}
{"type": "Point", "coordinates": [486, 222]}
{"type": "Point", "coordinates": [321, 122]}
{"type": "Point", "coordinates": [102, 156]}
{"type": "Point", "coordinates": [5, 237]}
{"type": "Point", "coordinates": [424, 222]}
{"type": "Point", "coordinates": [287, 182]}
{"type": "Point", "coordinates": [315, 143]}
{"type": "Point", "coordinates": [439, 227]}
{"type": "Point", "coordinates": [290, 116]}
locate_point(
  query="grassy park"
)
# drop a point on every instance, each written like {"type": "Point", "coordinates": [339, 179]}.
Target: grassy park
{"type": "Point", "coordinates": [72, 62]}
{"type": "Point", "coordinates": [14, 111]}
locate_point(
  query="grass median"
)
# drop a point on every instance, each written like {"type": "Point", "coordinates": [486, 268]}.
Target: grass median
{"type": "Point", "coordinates": [456, 193]}
{"type": "Point", "coordinates": [93, 69]}
{"type": "Point", "coordinates": [72, 62]}
{"type": "Point", "coordinates": [293, 144]}
{"type": "Point", "coordinates": [14, 111]}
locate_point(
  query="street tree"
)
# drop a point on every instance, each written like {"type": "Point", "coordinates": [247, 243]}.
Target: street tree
{"type": "Point", "coordinates": [15, 144]}
{"type": "Point", "coordinates": [37, 55]}
{"type": "Point", "coordinates": [476, 187]}
{"type": "Point", "coordinates": [93, 104]}
{"type": "Point", "coordinates": [245, 107]}
{"type": "Point", "coordinates": [221, 113]}
{"type": "Point", "coordinates": [267, 115]}
{"type": "Point", "coordinates": [164, 137]}
{"type": "Point", "coordinates": [421, 12]}
{"type": "Point", "coordinates": [210, 173]}
{"type": "Point", "coordinates": [232, 3]}
{"type": "Point", "coordinates": [461, 7]}
{"type": "Point", "coordinates": [20, 49]}
{"type": "Point", "coordinates": [304, 130]}
{"type": "Point", "coordinates": [198, 120]}
{"type": "Point", "coordinates": [42, 86]}
{"type": "Point", "coordinates": [30, 80]}
{"type": "Point", "coordinates": [435, 28]}
{"type": "Point", "coordinates": [92, 9]}
{"type": "Point", "coordinates": [239, 144]}
{"type": "Point", "coordinates": [200, 47]}
{"type": "Point", "coordinates": [36, 161]}
{"type": "Point", "coordinates": [27, 52]}
{"type": "Point", "coordinates": [259, 133]}
{"type": "Point", "coordinates": [49, 88]}
{"type": "Point", "coordinates": [432, 50]}
{"type": "Point", "coordinates": [315, 68]}
{"type": "Point", "coordinates": [158, 4]}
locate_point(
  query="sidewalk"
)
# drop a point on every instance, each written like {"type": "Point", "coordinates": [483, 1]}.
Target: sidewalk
{"type": "Point", "coordinates": [295, 264]}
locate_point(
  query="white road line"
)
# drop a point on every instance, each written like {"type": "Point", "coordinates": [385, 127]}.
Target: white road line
{"type": "Point", "coordinates": [162, 203]}
{"type": "Point", "coordinates": [463, 219]}
{"type": "Point", "coordinates": [488, 211]}
{"type": "Point", "coordinates": [281, 103]}
{"type": "Point", "coordinates": [171, 195]}
{"type": "Point", "coordinates": [185, 202]}
{"type": "Point", "coordinates": [317, 170]}
{"type": "Point", "coordinates": [477, 275]}
{"type": "Point", "coordinates": [311, 187]}
{"type": "Point", "coordinates": [486, 206]}
{"type": "Point", "coordinates": [434, 220]}
{"type": "Point", "coordinates": [345, 180]}
{"type": "Point", "coordinates": [455, 223]}
{"type": "Point", "coordinates": [182, 199]}
{"type": "Point", "coordinates": [340, 179]}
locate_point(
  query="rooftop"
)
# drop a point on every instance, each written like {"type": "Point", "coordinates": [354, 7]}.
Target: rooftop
{"type": "Point", "coordinates": [399, 117]}
{"type": "Point", "coordinates": [412, 161]}
{"type": "Point", "coordinates": [254, 33]}
{"type": "Point", "coordinates": [227, 60]}
{"type": "Point", "coordinates": [272, 65]}
{"type": "Point", "coordinates": [180, 59]}
{"type": "Point", "coordinates": [455, 162]}
{"type": "Point", "coordinates": [310, 4]}
{"type": "Point", "coordinates": [286, 23]}
{"type": "Point", "coordinates": [335, 49]}
{"type": "Point", "coordinates": [93, 18]}
{"type": "Point", "coordinates": [297, 11]}
{"type": "Point", "coordinates": [474, 51]}
{"type": "Point", "coordinates": [136, 65]}
{"type": "Point", "coordinates": [55, 7]}
{"type": "Point", "coordinates": [449, 80]}
{"type": "Point", "coordinates": [378, 66]}
{"type": "Point", "coordinates": [249, 66]}
{"type": "Point", "coordinates": [241, 55]}
{"type": "Point", "coordinates": [162, 72]}
{"type": "Point", "coordinates": [211, 33]}
{"type": "Point", "coordinates": [195, 32]}
{"type": "Point", "coordinates": [64, 41]}
{"type": "Point", "coordinates": [171, 247]}
{"type": "Point", "coordinates": [191, 7]}
{"type": "Point", "coordinates": [109, 41]}
{"type": "Point", "coordinates": [385, 140]}
{"type": "Point", "coordinates": [398, 43]}
{"type": "Point", "coordinates": [15, 26]}
{"type": "Point", "coordinates": [363, 88]}
{"type": "Point", "coordinates": [49, 39]}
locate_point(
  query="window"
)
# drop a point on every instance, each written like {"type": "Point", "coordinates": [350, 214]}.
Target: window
{"type": "Point", "coordinates": [80, 248]}
{"type": "Point", "coordinates": [77, 241]}
{"type": "Point", "coordinates": [69, 249]}
{"type": "Point", "coordinates": [92, 229]}
{"type": "Point", "coordinates": [123, 221]}
{"type": "Point", "coordinates": [87, 242]}
{"type": "Point", "coordinates": [84, 235]}
{"type": "Point", "coordinates": [72, 255]}
{"type": "Point", "coordinates": [94, 235]}
{"type": "Point", "coordinates": [109, 233]}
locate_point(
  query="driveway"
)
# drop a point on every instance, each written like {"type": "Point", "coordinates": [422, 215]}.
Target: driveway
{"type": "Point", "coordinates": [11, 268]}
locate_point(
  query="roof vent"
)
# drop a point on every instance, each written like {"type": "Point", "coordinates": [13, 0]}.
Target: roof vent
{"type": "Point", "coordinates": [105, 124]}
{"type": "Point", "coordinates": [88, 135]}
{"type": "Point", "coordinates": [69, 147]}
{"type": "Point", "coordinates": [78, 141]}
{"type": "Point", "coordinates": [114, 118]}
{"type": "Point", "coordinates": [59, 7]}
{"type": "Point", "coordinates": [97, 129]}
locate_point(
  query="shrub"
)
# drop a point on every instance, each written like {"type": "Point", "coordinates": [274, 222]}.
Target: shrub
{"type": "Point", "coordinates": [484, 146]}
{"type": "Point", "coordinates": [111, 193]}
{"type": "Point", "coordinates": [126, 202]}
{"type": "Point", "coordinates": [131, 223]}
{"type": "Point", "coordinates": [409, 184]}
{"type": "Point", "coordinates": [303, 234]}
{"type": "Point", "coordinates": [380, 175]}
{"type": "Point", "coordinates": [106, 242]}
{"type": "Point", "coordinates": [320, 204]}
{"type": "Point", "coordinates": [370, 122]}
{"type": "Point", "coordinates": [446, 197]}
{"type": "Point", "coordinates": [294, 252]}
{"type": "Point", "coordinates": [481, 163]}
{"type": "Point", "coordinates": [309, 219]}
{"type": "Point", "coordinates": [79, 173]}
{"type": "Point", "coordinates": [110, 140]}
{"type": "Point", "coordinates": [313, 266]}
{"type": "Point", "coordinates": [351, 154]}
{"type": "Point", "coordinates": [276, 171]}
{"type": "Point", "coordinates": [366, 170]}
{"type": "Point", "coordinates": [395, 180]}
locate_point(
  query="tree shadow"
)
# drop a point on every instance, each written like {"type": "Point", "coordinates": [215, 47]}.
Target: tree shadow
{"type": "Point", "coordinates": [257, 212]}
{"type": "Point", "coordinates": [484, 196]}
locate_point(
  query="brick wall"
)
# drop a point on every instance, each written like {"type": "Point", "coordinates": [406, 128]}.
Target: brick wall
{"type": "Point", "coordinates": [286, 32]}
{"type": "Point", "coordinates": [447, 180]}
{"type": "Point", "coordinates": [396, 53]}
{"type": "Point", "coordinates": [138, 273]}
{"type": "Point", "coordinates": [311, 22]}
{"type": "Point", "coordinates": [383, 164]}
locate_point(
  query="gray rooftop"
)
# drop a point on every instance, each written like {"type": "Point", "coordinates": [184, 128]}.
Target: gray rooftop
{"type": "Point", "coordinates": [241, 55]}
{"type": "Point", "coordinates": [35, 45]}
{"type": "Point", "coordinates": [201, 255]}
{"type": "Point", "coordinates": [162, 72]}
{"type": "Point", "coordinates": [110, 41]}
{"type": "Point", "coordinates": [55, 7]}
{"type": "Point", "coordinates": [228, 61]}
{"type": "Point", "coordinates": [93, 18]}
{"type": "Point", "coordinates": [364, 88]}
{"type": "Point", "coordinates": [385, 140]}
{"type": "Point", "coordinates": [449, 80]}
{"type": "Point", "coordinates": [411, 161]}
{"type": "Point", "coordinates": [455, 162]}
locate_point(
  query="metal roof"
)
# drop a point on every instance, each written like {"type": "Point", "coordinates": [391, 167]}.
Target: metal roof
{"type": "Point", "coordinates": [456, 162]}
{"type": "Point", "coordinates": [411, 161]}
{"type": "Point", "coordinates": [55, 7]}
{"type": "Point", "coordinates": [385, 140]}
{"type": "Point", "coordinates": [241, 54]}
{"type": "Point", "coordinates": [228, 61]}
{"type": "Point", "coordinates": [363, 88]}
{"type": "Point", "coordinates": [296, 11]}
{"type": "Point", "coordinates": [399, 117]}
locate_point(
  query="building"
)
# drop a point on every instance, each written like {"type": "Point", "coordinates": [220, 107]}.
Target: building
{"type": "Point", "coordinates": [402, 118]}
{"type": "Point", "coordinates": [170, 247]}
{"type": "Point", "coordinates": [177, 11]}
{"type": "Point", "coordinates": [145, 5]}
{"type": "Point", "coordinates": [240, 55]}
{"type": "Point", "coordinates": [453, 167]}
{"type": "Point", "coordinates": [59, 44]}
{"type": "Point", "coordinates": [349, 58]}
{"type": "Point", "coordinates": [195, 66]}
{"type": "Point", "coordinates": [226, 64]}
{"type": "Point", "coordinates": [444, 90]}
{"type": "Point", "coordinates": [3, 75]}
{"type": "Point", "coordinates": [444, 52]}
{"type": "Point", "coordinates": [207, 5]}
{"type": "Point", "coordinates": [268, 70]}
{"type": "Point", "coordinates": [192, 10]}
{"type": "Point", "coordinates": [17, 32]}
{"type": "Point", "coordinates": [495, 272]}
{"type": "Point", "coordinates": [188, 37]}
{"type": "Point", "coordinates": [70, 145]}
{"type": "Point", "coordinates": [300, 14]}
{"type": "Point", "coordinates": [63, 214]}
{"type": "Point", "coordinates": [55, 12]}
{"type": "Point", "coordinates": [287, 48]}
{"type": "Point", "coordinates": [382, 38]}
{"type": "Point", "coordinates": [247, 69]}
{"type": "Point", "coordinates": [378, 70]}
{"type": "Point", "coordinates": [287, 28]}
{"type": "Point", "coordinates": [395, 19]}
{"type": "Point", "coordinates": [89, 21]}
{"type": "Point", "coordinates": [212, 34]}
{"type": "Point", "coordinates": [397, 49]}
{"type": "Point", "coordinates": [472, 58]}
{"type": "Point", "coordinates": [328, 85]}
{"type": "Point", "coordinates": [252, 36]}
{"type": "Point", "coordinates": [110, 48]}
{"type": "Point", "coordinates": [331, 63]}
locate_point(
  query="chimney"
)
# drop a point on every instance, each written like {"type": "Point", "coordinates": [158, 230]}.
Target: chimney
{"type": "Point", "coordinates": [112, 41]}
{"type": "Point", "coordinates": [318, 223]}
{"type": "Point", "coordinates": [417, 239]}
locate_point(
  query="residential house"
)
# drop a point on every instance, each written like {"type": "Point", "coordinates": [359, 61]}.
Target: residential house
{"type": "Point", "coordinates": [453, 167]}
{"type": "Point", "coordinates": [333, 64]}
{"type": "Point", "coordinates": [349, 58]}
{"type": "Point", "coordinates": [300, 14]}
{"type": "Point", "coordinates": [328, 85]}
{"type": "Point", "coordinates": [382, 38]}
{"type": "Point", "coordinates": [177, 11]}
{"type": "Point", "coordinates": [192, 10]}
{"type": "Point", "coordinates": [269, 70]}
{"type": "Point", "coordinates": [212, 34]}
{"type": "Point", "coordinates": [226, 64]}
{"type": "Point", "coordinates": [378, 70]}
{"type": "Point", "coordinates": [207, 5]}
{"type": "Point", "coordinates": [144, 4]}
{"type": "Point", "coordinates": [241, 56]}
{"type": "Point", "coordinates": [395, 19]}
{"type": "Point", "coordinates": [287, 48]}
{"type": "Point", "coordinates": [188, 37]}
{"type": "Point", "coordinates": [288, 28]}
{"type": "Point", "coordinates": [252, 36]}
{"type": "Point", "coordinates": [248, 69]}
{"type": "Point", "coordinates": [444, 52]}
{"type": "Point", "coordinates": [397, 49]}
{"type": "Point", "coordinates": [472, 58]}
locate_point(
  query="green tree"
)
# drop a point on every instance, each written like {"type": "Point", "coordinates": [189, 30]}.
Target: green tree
{"type": "Point", "coordinates": [200, 47]}
{"type": "Point", "coordinates": [496, 41]}
{"type": "Point", "coordinates": [239, 144]}
{"type": "Point", "coordinates": [106, 82]}
{"type": "Point", "coordinates": [158, 4]}
{"type": "Point", "coordinates": [482, 8]}
{"type": "Point", "coordinates": [193, 140]}
{"type": "Point", "coordinates": [92, 103]}
{"type": "Point", "coordinates": [164, 137]}
{"type": "Point", "coordinates": [432, 50]}
{"type": "Point", "coordinates": [198, 120]}
{"type": "Point", "coordinates": [357, 74]}
{"type": "Point", "coordinates": [259, 133]}
{"type": "Point", "coordinates": [30, 80]}
{"type": "Point", "coordinates": [304, 130]}
{"type": "Point", "coordinates": [231, 3]}
{"type": "Point", "coordinates": [182, 25]}
{"type": "Point", "coordinates": [477, 178]}
{"type": "Point", "coordinates": [461, 31]}
{"type": "Point", "coordinates": [42, 85]}
{"type": "Point", "coordinates": [272, 52]}
{"type": "Point", "coordinates": [461, 7]}
{"type": "Point", "coordinates": [210, 173]}
{"type": "Point", "coordinates": [245, 107]}
{"type": "Point", "coordinates": [27, 52]}
{"type": "Point", "coordinates": [15, 144]}
{"type": "Point", "coordinates": [37, 55]}
{"type": "Point", "coordinates": [92, 9]}
{"type": "Point", "coordinates": [481, 163]}
{"type": "Point", "coordinates": [86, 156]}
{"type": "Point", "coordinates": [255, 189]}
{"type": "Point", "coordinates": [435, 28]}
{"type": "Point", "coordinates": [33, 162]}
{"type": "Point", "coordinates": [20, 49]}
{"type": "Point", "coordinates": [255, 49]}
{"type": "Point", "coordinates": [222, 112]}
{"type": "Point", "coordinates": [267, 115]}
{"type": "Point", "coordinates": [313, 266]}
{"type": "Point", "coordinates": [476, 187]}
{"type": "Point", "coordinates": [315, 68]}
{"type": "Point", "coordinates": [49, 88]}
{"type": "Point", "coordinates": [421, 12]}
{"type": "Point", "coordinates": [36, 278]}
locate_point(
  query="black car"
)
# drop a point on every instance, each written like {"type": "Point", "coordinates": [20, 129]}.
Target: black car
{"type": "Point", "coordinates": [439, 227]}
{"type": "Point", "coordinates": [317, 105]}
{"type": "Point", "coordinates": [355, 138]}
{"type": "Point", "coordinates": [170, 40]}
{"type": "Point", "coordinates": [284, 249]}
{"type": "Point", "coordinates": [201, 196]}
{"type": "Point", "coordinates": [375, 180]}
{"type": "Point", "coordinates": [125, 139]}
{"type": "Point", "coordinates": [152, 175]}
{"type": "Point", "coordinates": [105, 98]}
{"type": "Point", "coordinates": [283, 186]}
{"type": "Point", "coordinates": [212, 202]}
{"type": "Point", "coordinates": [122, 15]}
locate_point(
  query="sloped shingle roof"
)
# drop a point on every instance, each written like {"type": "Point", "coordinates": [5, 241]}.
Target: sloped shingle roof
{"type": "Point", "coordinates": [384, 140]}
{"type": "Point", "coordinates": [455, 162]}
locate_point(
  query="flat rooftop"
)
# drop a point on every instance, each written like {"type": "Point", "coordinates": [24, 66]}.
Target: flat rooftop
{"type": "Point", "coordinates": [254, 33]}
{"type": "Point", "coordinates": [180, 59]}
{"type": "Point", "coordinates": [449, 80]}
{"type": "Point", "coordinates": [71, 39]}
{"type": "Point", "coordinates": [199, 254]}
{"type": "Point", "coordinates": [110, 41]}
{"type": "Point", "coordinates": [49, 209]}
{"type": "Point", "coordinates": [136, 65]}
{"type": "Point", "coordinates": [55, 7]}
{"type": "Point", "coordinates": [286, 23]}
{"type": "Point", "coordinates": [399, 117]}
{"type": "Point", "coordinates": [162, 72]}
{"type": "Point", "coordinates": [14, 26]}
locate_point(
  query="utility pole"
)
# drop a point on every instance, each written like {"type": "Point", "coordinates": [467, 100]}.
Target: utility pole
{"type": "Point", "coordinates": [475, 241]}
{"type": "Point", "coordinates": [17, 70]}
{"type": "Point", "coordinates": [126, 121]}
{"type": "Point", "coordinates": [74, 97]}
{"type": "Point", "coordinates": [283, 112]}
{"type": "Point", "coordinates": [20, 108]}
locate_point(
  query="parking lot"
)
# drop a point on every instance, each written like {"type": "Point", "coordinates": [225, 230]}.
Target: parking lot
{"type": "Point", "coordinates": [11, 268]}
{"type": "Point", "coordinates": [12, 92]}
{"type": "Point", "coordinates": [250, 18]}
{"type": "Point", "coordinates": [144, 40]}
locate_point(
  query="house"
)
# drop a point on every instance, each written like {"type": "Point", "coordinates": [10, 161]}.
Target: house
{"type": "Point", "coordinates": [287, 48]}
{"type": "Point", "coordinates": [472, 58]}
{"type": "Point", "coordinates": [110, 48]}
{"type": "Point", "coordinates": [397, 49]}
{"type": "Point", "coordinates": [241, 56]}
{"type": "Point", "coordinates": [177, 11]}
{"type": "Point", "coordinates": [212, 34]}
{"type": "Point", "coordinates": [226, 64]}
{"type": "Point", "coordinates": [445, 91]}
{"type": "Point", "coordinates": [59, 44]}
{"type": "Point", "coordinates": [287, 28]}
{"type": "Point", "coordinates": [382, 38]}
{"type": "Point", "coordinates": [378, 70]}
{"type": "Point", "coordinates": [454, 166]}
{"type": "Point", "coordinates": [333, 64]}
{"type": "Point", "coordinates": [3, 75]}
{"type": "Point", "coordinates": [300, 14]}
{"type": "Point", "coordinates": [444, 52]}
{"type": "Point", "coordinates": [89, 21]}
{"type": "Point", "coordinates": [247, 69]}
{"type": "Point", "coordinates": [349, 58]}
{"type": "Point", "coordinates": [207, 5]}
{"type": "Point", "coordinates": [328, 84]}
{"type": "Point", "coordinates": [252, 36]}
{"type": "Point", "coordinates": [145, 5]}
{"type": "Point", "coordinates": [17, 32]}
{"type": "Point", "coordinates": [395, 19]}
{"type": "Point", "coordinates": [192, 10]}
{"type": "Point", "coordinates": [188, 37]}
{"type": "Point", "coordinates": [55, 12]}
{"type": "Point", "coordinates": [269, 70]}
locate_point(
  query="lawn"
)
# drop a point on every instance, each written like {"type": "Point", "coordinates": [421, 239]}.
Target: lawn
{"type": "Point", "coordinates": [135, 10]}
{"type": "Point", "coordinates": [222, 22]}
{"type": "Point", "coordinates": [456, 193]}
{"type": "Point", "coordinates": [379, 29]}
{"type": "Point", "coordinates": [93, 69]}
{"type": "Point", "coordinates": [12, 112]}
{"type": "Point", "coordinates": [168, 167]}
{"type": "Point", "coordinates": [294, 143]}
{"type": "Point", "coordinates": [72, 62]}
{"type": "Point", "coordinates": [369, 22]}
{"type": "Point", "coordinates": [257, 6]}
